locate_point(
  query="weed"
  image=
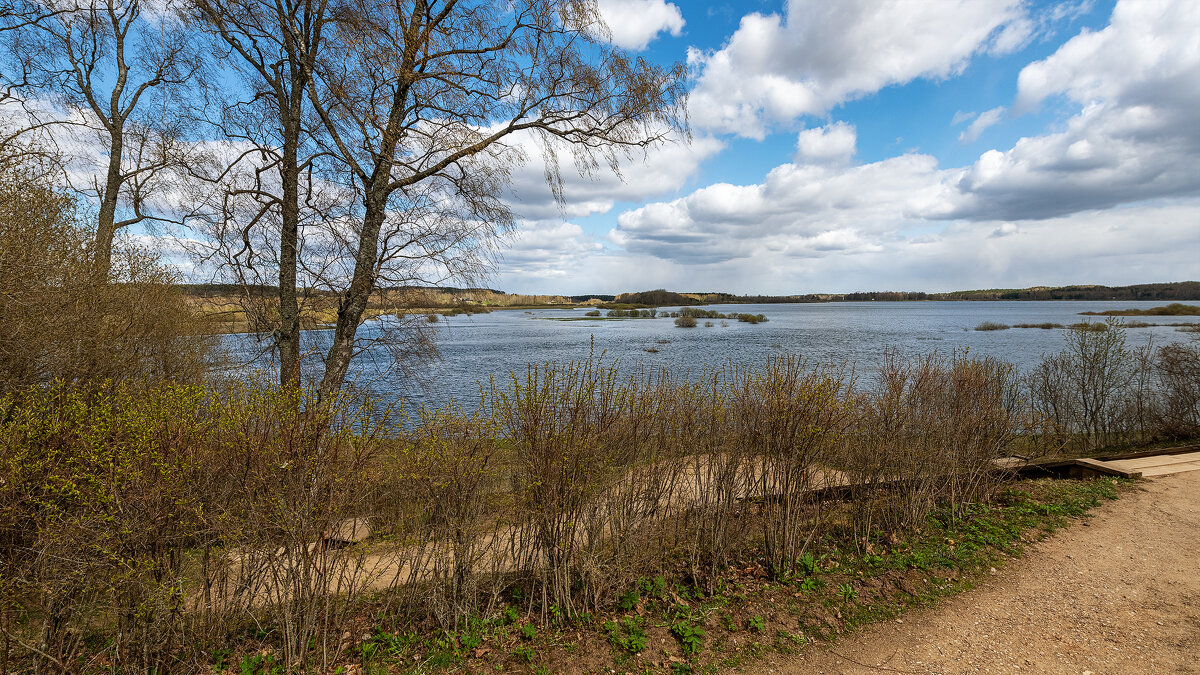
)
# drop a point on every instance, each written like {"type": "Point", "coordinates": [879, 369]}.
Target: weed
{"type": "Point", "coordinates": [755, 624]}
{"type": "Point", "coordinates": [524, 653]}
{"type": "Point", "coordinates": [847, 592]}
{"type": "Point", "coordinates": [528, 631]}
{"type": "Point", "coordinates": [691, 637]}
{"type": "Point", "coordinates": [628, 634]}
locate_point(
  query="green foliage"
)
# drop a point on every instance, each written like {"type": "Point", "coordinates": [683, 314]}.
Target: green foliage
{"type": "Point", "coordinates": [260, 664]}
{"type": "Point", "coordinates": [524, 653]}
{"type": "Point", "coordinates": [755, 624]}
{"type": "Point", "coordinates": [691, 637]}
{"type": "Point", "coordinates": [627, 634]}
{"type": "Point", "coordinates": [528, 631]}
{"type": "Point", "coordinates": [847, 592]}
{"type": "Point", "coordinates": [629, 599]}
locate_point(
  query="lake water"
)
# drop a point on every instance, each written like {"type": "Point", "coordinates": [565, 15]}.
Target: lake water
{"type": "Point", "coordinates": [475, 348]}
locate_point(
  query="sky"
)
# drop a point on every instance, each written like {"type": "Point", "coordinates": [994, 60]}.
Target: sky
{"type": "Point", "coordinates": [923, 145]}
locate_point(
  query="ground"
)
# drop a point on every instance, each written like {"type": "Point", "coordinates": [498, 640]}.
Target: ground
{"type": "Point", "coordinates": [1118, 593]}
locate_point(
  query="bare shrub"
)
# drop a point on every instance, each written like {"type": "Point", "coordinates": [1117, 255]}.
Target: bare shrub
{"type": "Point", "coordinates": [926, 434]}
{"type": "Point", "coordinates": [1080, 392]}
{"type": "Point", "coordinates": [297, 471]}
{"type": "Point", "coordinates": [65, 320]}
{"type": "Point", "coordinates": [447, 466]}
{"type": "Point", "coordinates": [565, 426]}
{"type": "Point", "coordinates": [789, 416]}
{"type": "Point", "coordinates": [1176, 372]}
{"type": "Point", "coordinates": [718, 476]}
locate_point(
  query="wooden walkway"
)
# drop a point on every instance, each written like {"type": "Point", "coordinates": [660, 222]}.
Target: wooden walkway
{"type": "Point", "coordinates": [1158, 465]}
{"type": "Point", "coordinates": [1142, 464]}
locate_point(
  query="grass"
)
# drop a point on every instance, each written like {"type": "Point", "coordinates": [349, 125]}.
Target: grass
{"type": "Point", "coordinates": [990, 325]}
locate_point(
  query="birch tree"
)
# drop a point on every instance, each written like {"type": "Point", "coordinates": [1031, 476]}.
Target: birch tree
{"type": "Point", "coordinates": [119, 69]}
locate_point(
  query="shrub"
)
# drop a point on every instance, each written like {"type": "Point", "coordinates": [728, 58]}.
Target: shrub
{"type": "Point", "coordinates": [65, 321]}
{"type": "Point", "coordinates": [989, 325]}
{"type": "Point", "coordinates": [686, 321]}
{"type": "Point", "coordinates": [1080, 393]}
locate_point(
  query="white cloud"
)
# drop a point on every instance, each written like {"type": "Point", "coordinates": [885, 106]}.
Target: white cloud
{"type": "Point", "coordinates": [1139, 244]}
{"type": "Point", "coordinates": [982, 122]}
{"type": "Point", "coordinates": [660, 170]}
{"type": "Point", "coordinates": [798, 210]}
{"type": "Point", "coordinates": [831, 144]}
{"type": "Point", "coordinates": [775, 69]}
{"type": "Point", "coordinates": [962, 116]}
{"type": "Point", "coordinates": [1134, 138]}
{"type": "Point", "coordinates": [634, 24]}
{"type": "Point", "coordinates": [1150, 50]}
{"type": "Point", "coordinates": [546, 250]}
{"type": "Point", "coordinates": [1117, 184]}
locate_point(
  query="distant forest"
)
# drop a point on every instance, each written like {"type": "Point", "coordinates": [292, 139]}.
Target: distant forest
{"type": "Point", "coordinates": [1173, 291]}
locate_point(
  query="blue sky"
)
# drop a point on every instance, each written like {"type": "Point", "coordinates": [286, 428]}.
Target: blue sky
{"type": "Point", "coordinates": [903, 144]}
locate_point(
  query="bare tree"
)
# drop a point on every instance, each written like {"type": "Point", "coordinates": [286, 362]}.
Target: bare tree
{"type": "Point", "coordinates": [117, 68]}
{"type": "Point", "coordinates": [270, 195]}
{"type": "Point", "coordinates": [424, 104]}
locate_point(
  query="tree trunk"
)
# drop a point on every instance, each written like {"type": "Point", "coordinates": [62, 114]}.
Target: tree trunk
{"type": "Point", "coordinates": [354, 301]}
{"type": "Point", "coordinates": [106, 228]}
{"type": "Point", "coordinates": [288, 335]}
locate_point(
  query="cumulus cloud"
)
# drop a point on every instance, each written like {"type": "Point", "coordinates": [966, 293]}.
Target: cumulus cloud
{"type": "Point", "coordinates": [776, 68]}
{"type": "Point", "coordinates": [798, 210]}
{"type": "Point", "coordinates": [658, 171]}
{"type": "Point", "coordinates": [1137, 244]}
{"type": "Point", "coordinates": [980, 123]}
{"type": "Point", "coordinates": [547, 249]}
{"type": "Point", "coordinates": [1134, 138]}
{"type": "Point", "coordinates": [1119, 178]}
{"type": "Point", "coordinates": [834, 143]}
{"type": "Point", "coordinates": [634, 24]}
{"type": "Point", "coordinates": [1149, 52]}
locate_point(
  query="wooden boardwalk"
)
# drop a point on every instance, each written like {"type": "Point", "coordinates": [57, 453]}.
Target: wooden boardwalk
{"type": "Point", "coordinates": [1158, 465]}
{"type": "Point", "coordinates": [1141, 464]}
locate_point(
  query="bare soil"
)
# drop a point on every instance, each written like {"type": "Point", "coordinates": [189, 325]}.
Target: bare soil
{"type": "Point", "coordinates": [1118, 593]}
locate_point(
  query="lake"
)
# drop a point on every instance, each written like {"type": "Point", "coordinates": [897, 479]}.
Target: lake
{"type": "Point", "coordinates": [475, 348]}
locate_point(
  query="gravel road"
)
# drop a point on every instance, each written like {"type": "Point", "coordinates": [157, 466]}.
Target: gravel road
{"type": "Point", "coordinates": [1119, 593]}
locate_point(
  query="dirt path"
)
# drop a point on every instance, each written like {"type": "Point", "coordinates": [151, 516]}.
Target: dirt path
{"type": "Point", "coordinates": [1117, 594]}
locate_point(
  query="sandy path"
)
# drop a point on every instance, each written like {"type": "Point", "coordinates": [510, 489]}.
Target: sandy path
{"type": "Point", "coordinates": [1119, 594]}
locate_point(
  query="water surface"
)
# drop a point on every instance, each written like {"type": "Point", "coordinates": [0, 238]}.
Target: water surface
{"type": "Point", "coordinates": [476, 348]}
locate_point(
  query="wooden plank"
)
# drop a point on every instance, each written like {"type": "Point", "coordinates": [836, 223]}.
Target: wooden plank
{"type": "Point", "coordinates": [1151, 453]}
{"type": "Point", "coordinates": [1170, 469]}
{"type": "Point", "coordinates": [1147, 462]}
{"type": "Point", "coordinates": [1098, 468]}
